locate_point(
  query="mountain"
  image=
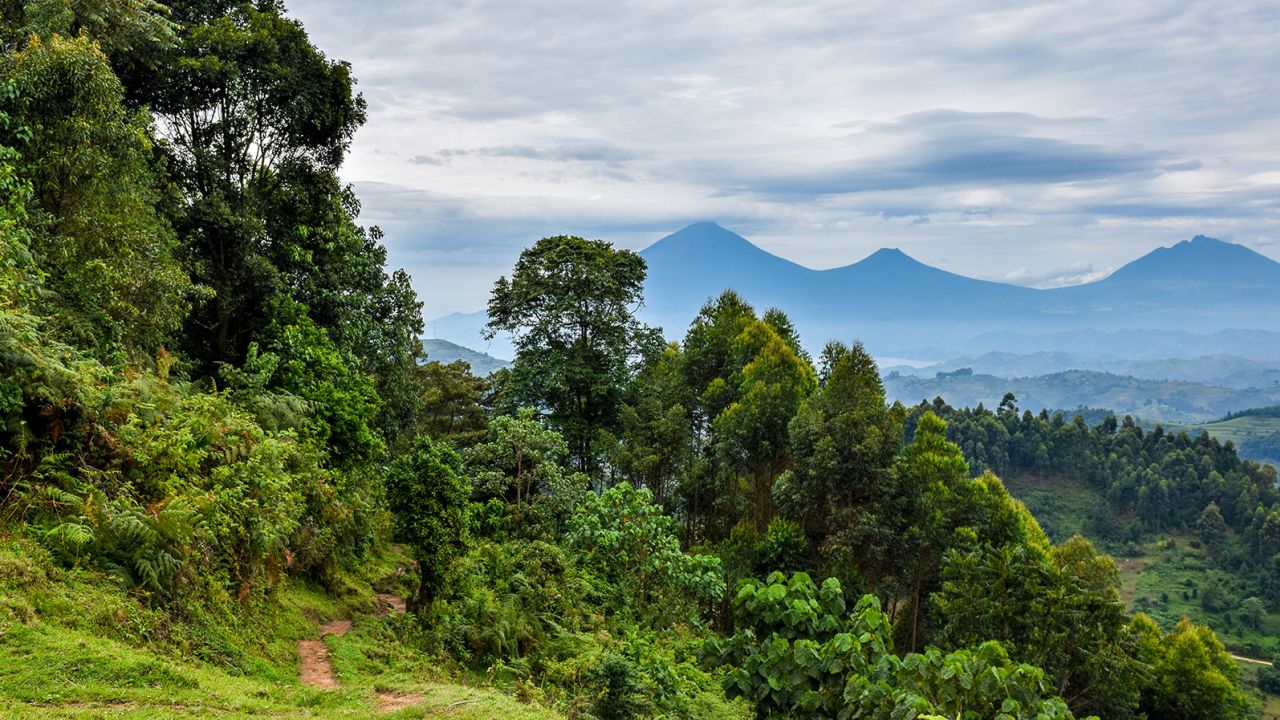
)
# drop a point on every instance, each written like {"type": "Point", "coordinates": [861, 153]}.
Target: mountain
{"type": "Point", "coordinates": [447, 352]}
{"type": "Point", "coordinates": [1198, 262]}
{"type": "Point", "coordinates": [686, 265]}
{"type": "Point", "coordinates": [465, 329]}
{"type": "Point", "coordinates": [1152, 400]}
{"type": "Point", "coordinates": [1201, 283]}
{"type": "Point", "coordinates": [1226, 370]}
{"type": "Point", "coordinates": [897, 305]}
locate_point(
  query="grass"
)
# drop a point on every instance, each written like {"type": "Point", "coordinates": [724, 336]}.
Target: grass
{"type": "Point", "coordinates": [1238, 430]}
{"type": "Point", "coordinates": [75, 644]}
{"type": "Point", "coordinates": [1058, 503]}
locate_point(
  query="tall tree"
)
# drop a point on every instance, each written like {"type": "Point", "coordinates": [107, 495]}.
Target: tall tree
{"type": "Point", "coordinates": [428, 494]}
{"type": "Point", "coordinates": [570, 309]}
{"type": "Point", "coordinates": [844, 438]}
{"type": "Point", "coordinates": [751, 433]}
{"type": "Point", "coordinates": [109, 256]}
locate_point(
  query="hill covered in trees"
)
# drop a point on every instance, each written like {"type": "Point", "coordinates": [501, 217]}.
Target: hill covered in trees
{"type": "Point", "coordinates": [218, 431]}
{"type": "Point", "coordinates": [1175, 401]}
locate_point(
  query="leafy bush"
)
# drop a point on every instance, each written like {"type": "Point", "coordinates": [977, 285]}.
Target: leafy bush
{"type": "Point", "coordinates": [631, 545]}
{"type": "Point", "coordinates": [795, 654]}
{"type": "Point", "coordinates": [429, 497]}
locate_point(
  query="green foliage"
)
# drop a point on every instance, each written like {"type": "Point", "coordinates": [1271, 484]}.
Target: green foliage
{"type": "Point", "coordinates": [450, 399]}
{"type": "Point", "coordinates": [129, 31]}
{"type": "Point", "coordinates": [429, 496]}
{"type": "Point", "coordinates": [797, 655]}
{"type": "Point", "coordinates": [619, 696]}
{"type": "Point", "coordinates": [342, 397]}
{"type": "Point", "coordinates": [108, 256]}
{"type": "Point", "coordinates": [1059, 610]}
{"type": "Point", "coordinates": [518, 460]}
{"type": "Point", "coordinates": [1162, 480]}
{"type": "Point", "coordinates": [569, 307]}
{"type": "Point", "coordinates": [625, 540]}
{"type": "Point", "coordinates": [654, 447]}
{"type": "Point", "coordinates": [1212, 528]}
{"type": "Point", "coordinates": [844, 440]}
{"type": "Point", "coordinates": [1192, 676]}
{"type": "Point", "coordinates": [751, 433]}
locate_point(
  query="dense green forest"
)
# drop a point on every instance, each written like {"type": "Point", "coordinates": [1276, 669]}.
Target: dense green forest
{"type": "Point", "coordinates": [218, 427]}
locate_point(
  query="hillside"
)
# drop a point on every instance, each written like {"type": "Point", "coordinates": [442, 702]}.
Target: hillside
{"type": "Point", "coordinates": [75, 644]}
{"type": "Point", "coordinates": [1255, 433]}
{"type": "Point", "coordinates": [447, 352]}
{"type": "Point", "coordinates": [1225, 370]}
{"type": "Point", "coordinates": [1151, 400]}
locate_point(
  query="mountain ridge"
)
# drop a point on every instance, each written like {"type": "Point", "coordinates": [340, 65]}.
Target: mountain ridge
{"type": "Point", "coordinates": [894, 302]}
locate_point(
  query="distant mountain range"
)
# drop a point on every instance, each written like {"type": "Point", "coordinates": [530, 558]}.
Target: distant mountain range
{"type": "Point", "coordinates": [901, 307]}
{"type": "Point", "coordinates": [1229, 371]}
{"type": "Point", "coordinates": [1151, 400]}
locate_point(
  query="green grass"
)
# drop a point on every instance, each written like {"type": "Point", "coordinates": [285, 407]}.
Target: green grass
{"type": "Point", "coordinates": [1238, 430]}
{"type": "Point", "coordinates": [75, 644]}
{"type": "Point", "coordinates": [1058, 503]}
{"type": "Point", "coordinates": [1164, 582]}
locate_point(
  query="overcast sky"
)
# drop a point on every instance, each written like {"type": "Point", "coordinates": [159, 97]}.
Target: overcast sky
{"type": "Point", "coordinates": [1042, 144]}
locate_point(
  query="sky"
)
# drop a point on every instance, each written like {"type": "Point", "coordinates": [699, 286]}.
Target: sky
{"type": "Point", "coordinates": [1043, 144]}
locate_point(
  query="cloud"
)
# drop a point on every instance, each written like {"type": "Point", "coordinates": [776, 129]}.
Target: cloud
{"type": "Point", "coordinates": [947, 148]}
{"type": "Point", "coordinates": [574, 152]}
{"type": "Point", "coordinates": [1074, 274]}
{"type": "Point", "coordinates": [986, 137]}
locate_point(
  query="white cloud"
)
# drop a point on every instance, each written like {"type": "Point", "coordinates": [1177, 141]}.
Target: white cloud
{"type": "Point", "coordinates": [983, 136]}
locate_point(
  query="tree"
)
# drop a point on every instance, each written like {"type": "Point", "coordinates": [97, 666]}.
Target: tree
{"type": "Point", "coordinates": [797, 654]}
{"type": "Point", "coordinates": [113, 280]}
{"type": "Point", "coordinates": [627, 541]}
{"type": "Point", "coordinates": [655, 446]}
{"type": "Point", "coordinates": [428, 494]}
{"type": "Point", "coordinates": [256, 122]}
{"type": "Point", "coordinates": [751, 438]}
{"type": "Point", "coordinates": [1253, 610]}
{"type": "Point", "coordinates": [1211, 528]}
{"type": "Point", "coordinates": [842, 489]}
{"type": "Point", "coordinates": [1211, 595]}
{"type": "Point", "coordinates": [1059, 610]}
{"type": "Point", "coordinates": [570, 309]}
{"type": "Point", "coordinates": [517, 459]}
{"type": "Point", "coordinates": [1192, 676]}
{"type": "Point", "coordinates": [450, 402]}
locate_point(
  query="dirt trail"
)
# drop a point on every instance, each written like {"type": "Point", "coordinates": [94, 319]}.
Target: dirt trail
{"type": "Point", "coordinates": [315, 669]}
{"type": "Point", "coordinates": [391, 604]}
{"type": "Point", "coordinates": [1255, 661]}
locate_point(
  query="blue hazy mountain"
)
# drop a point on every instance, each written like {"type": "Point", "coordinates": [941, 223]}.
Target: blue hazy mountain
{"type": "Point", "coordinates": [1202, 262]}
{"type": "Point", "coordinates": [1202, 283]}
{"type": "Point", "coordinates": [897, 304]}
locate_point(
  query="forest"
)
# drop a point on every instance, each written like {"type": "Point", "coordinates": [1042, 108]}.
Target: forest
{"type": "Point", "coordinates": [215, 409]}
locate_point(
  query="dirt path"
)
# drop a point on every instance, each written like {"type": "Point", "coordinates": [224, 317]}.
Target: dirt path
{"type": "Point", "coordinates": [315, 669]}
{"type": "Point", "coordinates": [390, 701]}
{"type": "Point", "coordinates": [391, 604]}
{"type": "Point", "coordinates": [1254, 661]}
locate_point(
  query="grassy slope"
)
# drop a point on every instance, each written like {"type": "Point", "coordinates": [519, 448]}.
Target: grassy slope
{"type": "Point", "coordinates": [73, 644]}
{"type": "Point", "coordinates": [1154, 580]}
{"type": "Point", "coordinates": [1237, 430]}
